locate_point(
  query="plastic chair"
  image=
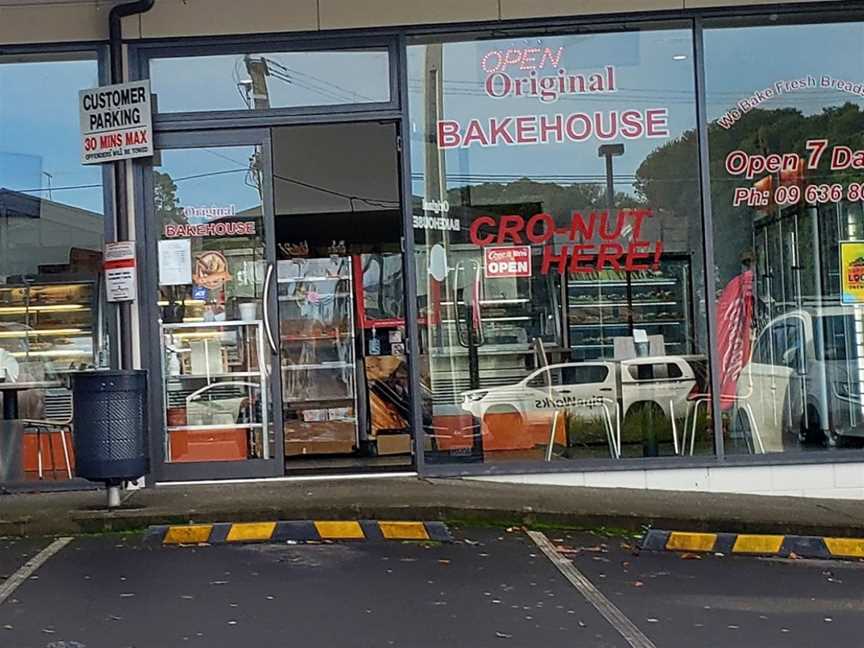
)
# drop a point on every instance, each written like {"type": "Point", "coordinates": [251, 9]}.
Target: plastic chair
{"type": "Point", "coordinates": [61, 424]}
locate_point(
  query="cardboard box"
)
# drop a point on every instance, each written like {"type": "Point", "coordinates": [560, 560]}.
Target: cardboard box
{"type": "Point", "coordinates": [393, 444]}
{"type": "Point", "coordinates": [324, 437]}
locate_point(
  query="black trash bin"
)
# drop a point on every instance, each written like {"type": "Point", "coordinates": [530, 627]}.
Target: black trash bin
{"type": "Point", "coordinates": [110, 419]}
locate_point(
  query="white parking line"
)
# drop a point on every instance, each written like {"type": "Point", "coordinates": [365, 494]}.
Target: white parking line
{"type": "Point", "coordinates": [27, 569]}
{"type": "Point", "coordinates": [586, 588]}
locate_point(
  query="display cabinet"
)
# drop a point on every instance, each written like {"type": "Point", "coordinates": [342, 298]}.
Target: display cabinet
{"type": "Point", "coordinates": [215, 392]}
{"type": "Point", "coordinates": [660, 301]}
{"type": "Point", "coordinates": [52, 325]}
{"type": "Point", "coordinates": [318, 355]}
{"type": "Point", "coordinates": [508, 314]}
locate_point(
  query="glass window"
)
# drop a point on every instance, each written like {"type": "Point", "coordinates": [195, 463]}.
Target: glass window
{"type": "Point", "coordinates": [51, 240]}
{"type": "Point", "coordinates": [211, 272]}
{"type": "Point", "coordinates": [786, 180]}
{"type": "Point", "coordinates": [271, 80]}
{"type": "Point", "coordinates": [556, 199]}
{"type": "Point", "coordinates": [580, 375]}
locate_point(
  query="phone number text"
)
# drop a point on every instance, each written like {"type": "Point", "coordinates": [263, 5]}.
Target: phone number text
{"type": "Point", "coordinates": [784, 195]}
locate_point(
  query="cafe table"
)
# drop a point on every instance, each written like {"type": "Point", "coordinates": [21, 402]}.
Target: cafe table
{"type": "Point", "coordinates": [10, 391]}
{"type": "Point", "coordinates": [11, 467]}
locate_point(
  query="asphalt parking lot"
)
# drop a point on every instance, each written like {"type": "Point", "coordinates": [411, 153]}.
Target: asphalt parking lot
{"type": "Point", "coordinates": [488, 588]}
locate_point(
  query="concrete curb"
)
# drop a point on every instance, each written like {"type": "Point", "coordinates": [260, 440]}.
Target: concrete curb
{"type": "Point", "coordinates": [297, 531]}
{"type": "Point", "coordinates": [462, 502]}
{"type": "Point", "coordinates": [81, 522]}
{"type": "Point", "coordinates": [748, 544]}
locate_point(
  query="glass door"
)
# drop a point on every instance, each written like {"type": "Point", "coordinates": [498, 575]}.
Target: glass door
{"type": "Point", "coordinates": [339, 284]}
{"type": "Point", "coordinates": [214, 306]}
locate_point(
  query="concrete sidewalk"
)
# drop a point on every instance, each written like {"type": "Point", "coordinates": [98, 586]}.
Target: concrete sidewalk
{"type": "Point", "coordinates": [420, 499]}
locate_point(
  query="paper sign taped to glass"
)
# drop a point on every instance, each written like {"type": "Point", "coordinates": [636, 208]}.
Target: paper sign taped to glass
{"type": "Point", "coordinates": [852, 272]}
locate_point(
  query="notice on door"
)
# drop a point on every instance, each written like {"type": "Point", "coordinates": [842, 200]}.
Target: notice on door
{"type": "Point", "coordinates": [116, 122]}
{"type": "Point", "coordinates": [507, 262]}
{"type": "Point", "coordinates": [120, 271]}
{"type": "Point", "coordinates": [175, 262]}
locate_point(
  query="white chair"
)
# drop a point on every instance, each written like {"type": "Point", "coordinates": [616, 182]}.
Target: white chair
{"type": "Point", "coordinates": [613, 431]}
{"type": "Point", "coordinates": [738, 400]}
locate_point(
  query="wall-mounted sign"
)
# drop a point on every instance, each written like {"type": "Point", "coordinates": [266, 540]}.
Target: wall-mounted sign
{"type": "Point", "coordinates": [120, 272]}
{"type": "Point", "coordinates": [116, 122]}
{"type": "Point", "coordinates": [852, 272]}
{"type": "Point", "coordinates": [507, 262]}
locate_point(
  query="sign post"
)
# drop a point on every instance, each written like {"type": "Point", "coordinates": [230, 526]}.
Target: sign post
{"type": "Point", "coordinates": [116, 122]}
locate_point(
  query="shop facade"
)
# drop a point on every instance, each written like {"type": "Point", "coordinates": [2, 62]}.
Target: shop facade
{"type": "Point", "coordinates": [619, 250]}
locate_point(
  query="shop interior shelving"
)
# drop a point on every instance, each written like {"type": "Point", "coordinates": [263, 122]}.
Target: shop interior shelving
{"type": "Point", "coordinates": [216, 391]}
{"type": "Point", "coordinates": [318, 355]}
{"type": "Point", "coordinates": [597, 308]}
{"type": "Point", "coordinates": [49, 323]}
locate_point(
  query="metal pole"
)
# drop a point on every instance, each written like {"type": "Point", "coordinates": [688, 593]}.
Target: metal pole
{"type": "Point", "coordinates": [121, 193]}
{"type": "Point", "coordinates": [113, 496]}
{"type": "Point", "coordinates": [708, 234]}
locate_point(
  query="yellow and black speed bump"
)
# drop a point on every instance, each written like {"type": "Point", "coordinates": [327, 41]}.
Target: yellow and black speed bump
{"type": "Point", "coordinates": [297, 531]}
{"type": "Point", "coordinates": [743, 544]}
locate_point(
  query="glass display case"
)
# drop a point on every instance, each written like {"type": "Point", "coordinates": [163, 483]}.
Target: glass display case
{"type": "Point", "coordinates": [216, 392]}
{"type": "Point", "coordinates": [660, 302]}
{"type": "Point", "coordinates": [318, 355]}
{"type": "Point", "coordinates": [49, 327]}
{"type": "Point", "coordinates": [509, 314]}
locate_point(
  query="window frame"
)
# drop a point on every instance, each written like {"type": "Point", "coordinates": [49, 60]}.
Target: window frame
{"type": "Point", "coordinates": [144, 53]}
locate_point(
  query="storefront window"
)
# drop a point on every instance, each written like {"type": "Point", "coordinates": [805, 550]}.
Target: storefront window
{"type": "Point", "coordinates": [785, 129]}
{"type": "Point", "coordinates": [51, 239]}
{"type": "Point", "coordinates": [260, 81]}
{"type": "Point", "coordinates": [557, 223]}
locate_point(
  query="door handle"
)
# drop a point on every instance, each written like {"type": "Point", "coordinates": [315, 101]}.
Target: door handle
{"type": "Point", "coordinates": [268, 279]}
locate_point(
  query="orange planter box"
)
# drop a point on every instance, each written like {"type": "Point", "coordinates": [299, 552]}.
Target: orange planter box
{"type": "Point", "coordinates": [228, 444]}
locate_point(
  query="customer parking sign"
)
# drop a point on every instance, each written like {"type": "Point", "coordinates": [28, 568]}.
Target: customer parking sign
{"type": "Point", "coordinates": [116, 123]}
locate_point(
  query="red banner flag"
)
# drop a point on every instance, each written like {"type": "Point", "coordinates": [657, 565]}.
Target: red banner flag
{"type": "Point", "coordinates": [734, 317]}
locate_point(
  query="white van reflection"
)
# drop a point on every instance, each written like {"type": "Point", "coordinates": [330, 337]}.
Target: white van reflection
{"type": "Point", "coordinates": [804, 380]}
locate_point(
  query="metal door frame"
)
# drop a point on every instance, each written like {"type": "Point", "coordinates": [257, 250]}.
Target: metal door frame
{"type": "Point", "coordinates": [149, 315]}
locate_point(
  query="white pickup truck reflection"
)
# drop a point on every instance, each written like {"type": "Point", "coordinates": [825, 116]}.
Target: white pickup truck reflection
{"type": "Point", "coordinates": [583, 388]}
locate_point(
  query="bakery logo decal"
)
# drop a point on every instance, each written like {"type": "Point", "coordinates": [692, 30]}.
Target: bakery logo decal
{"type": "Point", "coordinates": [208, 221]}
{"type": "Point", "coordinates": [540, 74]}
{"type": "Point", "coordinates": [211, 270]}
{"type": "Point", "coordinates": [591, 242]}
{"type": "Point", "coordinates": [206, 214]}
